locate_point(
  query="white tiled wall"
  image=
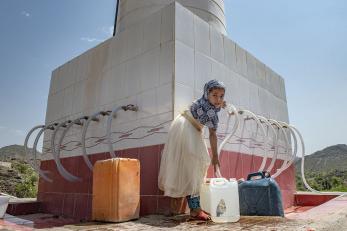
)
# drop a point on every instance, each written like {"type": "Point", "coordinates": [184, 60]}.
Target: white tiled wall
{"type": "Point", "coordinates": [161, 65]}
{"type": "Point", "coordinates": [250, 84]}
{"type": "Point", "coordinates": [217, 45]}
{"type": "Point", "coordinates": [184, 64]}
{"type": "Point", "coordinates": [184, 25]}
{"type": "Point", "coordinates": [202, 36]}
{"type": "Point", "coordinates": [136, 67]}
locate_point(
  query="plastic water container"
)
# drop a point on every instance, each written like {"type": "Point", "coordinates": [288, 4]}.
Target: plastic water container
{"type": "Point", "coordinates": [3, 205]}
{"type": "Point", "coordinates": [220, 198]}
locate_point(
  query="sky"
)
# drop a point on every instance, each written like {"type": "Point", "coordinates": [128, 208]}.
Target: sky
{"type": "Point", "coordinates": [303, 41]}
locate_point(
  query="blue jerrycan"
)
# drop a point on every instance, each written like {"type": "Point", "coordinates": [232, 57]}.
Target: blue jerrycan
{"type": "Point", "coordinates": [260, 195]}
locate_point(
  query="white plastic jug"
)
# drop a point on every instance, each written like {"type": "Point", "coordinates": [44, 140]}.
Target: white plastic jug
{"type": "Point", "coordinates": [3, 205]}
{"type": "Point", "coordinates": [220, 198]}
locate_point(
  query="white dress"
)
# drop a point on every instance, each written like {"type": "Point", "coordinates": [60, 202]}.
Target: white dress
{"type": "Point", "coordinates": [184, 160]}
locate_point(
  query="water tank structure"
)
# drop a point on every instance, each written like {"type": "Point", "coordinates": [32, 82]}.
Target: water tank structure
{"type": "Point", "coordinates": [119, 98]}
{"type": "Point", "coordinates": [211, 11]}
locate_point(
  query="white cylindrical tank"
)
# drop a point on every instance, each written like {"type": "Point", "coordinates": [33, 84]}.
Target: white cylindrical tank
{"type": "Point", "coordinates": [132, 11]}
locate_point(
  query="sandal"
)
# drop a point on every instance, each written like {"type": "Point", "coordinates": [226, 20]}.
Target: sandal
{"type": "Point", "coordinates": [201, 215]}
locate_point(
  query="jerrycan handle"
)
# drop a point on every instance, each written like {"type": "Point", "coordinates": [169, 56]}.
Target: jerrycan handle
{"type": "Point", "coordinates": [218, 181]}
{"type": "Point", "coordinates": [217, 173]}
{"type": "Point", "coordinates": [256, 175]}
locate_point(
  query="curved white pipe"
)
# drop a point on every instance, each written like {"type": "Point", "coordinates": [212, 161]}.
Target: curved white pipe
{"type": "Point", "coordinates": [232, 111]}
{"type": "Point", "coordinates": [251, 114]}
{"type": "Point", "coordinates": [108, 131]}
{"type": "Point", "coordinates": [63, 172]}
{"type": "Point", "coordinates": [36, 167]}
{"type": "Point", "coordinates": [275, 141]}
{"type": "Point", "coordinates": [302, 160]}
{"type": "Point", "coordinates": [130, 107]}
{"type": "Point", "coordinates": [83, 139]}
{"type": "Point", "coordinates": [281, 169]}
{"type": "Point", "coordinates": [26, 149]}
{"type": "Point", "coordinates": [77, 121]}
{"type": "Point", "coordinates": [295, 150]}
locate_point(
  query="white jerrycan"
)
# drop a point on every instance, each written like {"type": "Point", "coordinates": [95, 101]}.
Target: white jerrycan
{"type": "Point", "coordinates": [220, 198]}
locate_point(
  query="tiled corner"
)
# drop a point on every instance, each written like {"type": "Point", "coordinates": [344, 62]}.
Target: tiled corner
{"type": "Point", "coordinates": [184, 25]}
{"type": "Point", "coordinates": [166, 63]}
{"type": "Point", "coordinates": [146, 102]}
{"type": "Point", "coordinates": [151, 33]}
{"type": "Point", "coordinates": [184, 64]}
{"type": "Point", "coordinates": [229, 53]}
{"type": "Point", "coordinates": [202, 36]}
{"type": "Point", "coordinates": [217, 45]}
{"type": "Point", "coordinates": [183, 97]}
{"type": "Point", "coordinates": [167, 24]}
{"type": "Point", "coordinates": [164, 98]}
{"type": "Point", "coordinates": [53, 84]}
{"type": "Point", "coordinates": [118, 50]}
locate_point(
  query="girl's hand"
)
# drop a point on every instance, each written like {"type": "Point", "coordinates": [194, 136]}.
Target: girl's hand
{"type": "Point", "coordinates": [215, 162]}
{"type": "Point", "coordinates": [224, 104]}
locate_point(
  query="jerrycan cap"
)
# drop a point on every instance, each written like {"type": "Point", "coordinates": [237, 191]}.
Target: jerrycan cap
{"type": "Point", "coordinates": [219, 181]}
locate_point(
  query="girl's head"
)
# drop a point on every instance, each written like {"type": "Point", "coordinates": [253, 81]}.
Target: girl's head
{"type": "Point", "coordinates": [214, 91]}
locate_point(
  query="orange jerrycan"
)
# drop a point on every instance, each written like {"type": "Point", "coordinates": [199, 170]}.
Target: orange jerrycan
{"type": "Point", "coordinates": [116, 190]}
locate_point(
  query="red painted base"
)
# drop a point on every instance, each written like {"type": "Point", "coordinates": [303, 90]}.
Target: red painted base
{"type": "Point", "coordinates": [23, 208]}
{"type": "Point", "coordinates": [73, 199]}
{"type": "Point", "coordinates": [312, 199]}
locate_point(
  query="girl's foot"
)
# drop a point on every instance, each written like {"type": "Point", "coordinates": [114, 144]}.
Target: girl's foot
{"type": "Point", "coordinates": [199, 214]}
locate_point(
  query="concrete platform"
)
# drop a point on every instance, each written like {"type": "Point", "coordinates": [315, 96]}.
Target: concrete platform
{"type": "Point", "coordinates": [331, 215]}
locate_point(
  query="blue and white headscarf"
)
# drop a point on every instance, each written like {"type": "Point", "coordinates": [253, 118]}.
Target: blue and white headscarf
{"type": "Point", "coordinates": [203, 110]}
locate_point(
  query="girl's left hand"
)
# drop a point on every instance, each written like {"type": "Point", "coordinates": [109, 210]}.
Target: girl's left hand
{"type": "Point", "coordinates": [215, 162]}
{"type": "Point", "coordinates": [224, 104]}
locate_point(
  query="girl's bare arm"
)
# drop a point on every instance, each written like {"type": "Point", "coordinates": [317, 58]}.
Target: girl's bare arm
{"type": "Point", "coordinates": [213, 142]}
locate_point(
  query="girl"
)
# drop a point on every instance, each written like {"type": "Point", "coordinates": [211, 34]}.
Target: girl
{"type": "Point", "coordinates": [185, 157]}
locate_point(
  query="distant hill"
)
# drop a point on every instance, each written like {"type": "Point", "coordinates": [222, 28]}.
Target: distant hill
{"type": "Point", "coordinates": [330, 158]}
{"type": "Point", "coordinates": [13, 152]}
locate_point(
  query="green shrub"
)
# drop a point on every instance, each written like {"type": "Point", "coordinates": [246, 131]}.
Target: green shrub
{"type": "Point", "coordinates": [334, 180]}
{"type": "Point", "coordinates": [28, 186]}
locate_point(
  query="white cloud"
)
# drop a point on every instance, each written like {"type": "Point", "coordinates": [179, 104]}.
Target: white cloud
{"type": "Point", "coordinates": [108, 30]}
{"type": "Point", "coordinates": [26, 14]}
{"type": "Point", "coordinates": [88, 39]}
{"type": "Point", "coordinates": [11, 131]}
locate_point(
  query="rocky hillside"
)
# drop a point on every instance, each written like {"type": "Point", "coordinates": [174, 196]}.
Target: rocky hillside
{"type": "Point", "coordinates": [330, 158]}
{"type": "Point", "coordinates": [19, 179]}
{"type": "Point", "coordinates": [12, 152]}
{"type": "Point", "coordinates": [325, 170]}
